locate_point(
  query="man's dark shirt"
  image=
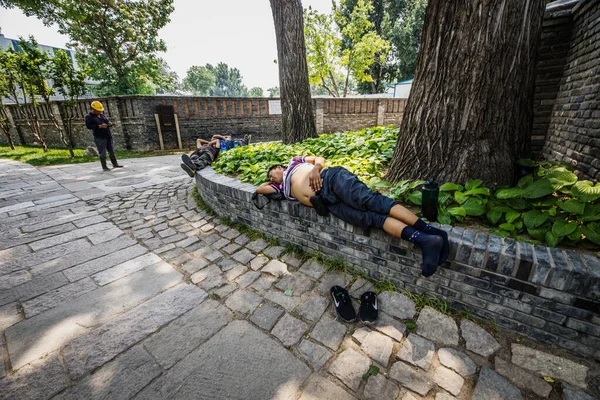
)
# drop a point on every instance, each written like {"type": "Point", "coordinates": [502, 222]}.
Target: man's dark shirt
{"type": "Point", "coordinates": [92, 121]}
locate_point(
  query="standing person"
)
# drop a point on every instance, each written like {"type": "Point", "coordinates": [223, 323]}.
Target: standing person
{"type": "Point", "coordinates": [100, 126]}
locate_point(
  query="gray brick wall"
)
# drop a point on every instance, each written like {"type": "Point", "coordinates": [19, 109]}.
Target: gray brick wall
{"type": "Point", "coordinates": [202, 117]}
{"type": "Point", "coordinates": [551, 295]}
{"type": "Point", "coordinates": [574, 134]}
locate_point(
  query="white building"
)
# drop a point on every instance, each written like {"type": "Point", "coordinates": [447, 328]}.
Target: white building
{"type": "Point", "coordinates": [400, 90]}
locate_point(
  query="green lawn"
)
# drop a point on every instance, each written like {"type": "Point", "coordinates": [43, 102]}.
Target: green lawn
{"type": "Point", "coordinates": [35, 156]}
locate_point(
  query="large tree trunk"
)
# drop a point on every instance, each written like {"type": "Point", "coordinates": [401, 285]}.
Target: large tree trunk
{"type": "Point", "coordinates": [296, 104]}
{"type": "Point", "coordinates": [470, 109]}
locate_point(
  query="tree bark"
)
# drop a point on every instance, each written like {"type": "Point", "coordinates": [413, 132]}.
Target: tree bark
{"type": "Point", "coordinates": [296, 104]}
{"type": "Point", "coordinates": [470, 110]}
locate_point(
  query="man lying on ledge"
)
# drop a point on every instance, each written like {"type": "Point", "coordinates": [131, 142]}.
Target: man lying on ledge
{"type": "Point", "coordinates": [340, 192]}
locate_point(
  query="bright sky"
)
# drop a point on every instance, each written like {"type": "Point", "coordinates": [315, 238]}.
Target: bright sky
{"type": "Point", "coordinates": [237, 32]}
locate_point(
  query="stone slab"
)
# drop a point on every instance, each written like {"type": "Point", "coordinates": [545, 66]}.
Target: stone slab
{"type": "Point", "coordinates": [258, 262]}
{"type": "Point", "coordinates": [313, 268]}
{"type": "Point", "coordinates": [287, 302]}
{"type": "Point", "coordinates": [275, 268]}
{"type": "Point", "coordinates": [243, 301]}
{"type": "Point", "coordinates": [238, 360]}
{"type": "Point", "coordinates": [208, 272]}
{"type": "Point", "coordinates": [14, 279]}
{"type": "Point", "coordinates": [389, 326]}
{"type": "Point", "coordinates": [417, 351]}
{"type": "Point", "coordinates": [289, 330]}
{"type": "Point", "coordinates": [296, 281]}
{"type": "Point", "coordinates": [315, 354]}
{"type": "Point", "coordinates": [522, 378]}
{"type": "Point", "coordinates": [127, 268]}
{"type": "Point", "coordinates": [54, 328]}
{"type": "Point", "coordinates": [121, 378]}
{"type": "Point", "coordinates": [457, 361]}
{"type": "Point", "coordinates": [329, 332]}
{"type": "Point", "coordinates": [492, 386]}
{"type": "Point", "coordinates": [397, 305]}
{"type": "Point", "coordinates": [349, 367]}
{"type": "Point", "coordinates": [378, 347]}
{"type": "Point", "coordinates": [313, 307]}
{"type": "Point", "coordinates": [51, 299]}
{"type": "Point", "coordinates": [379, 387]}
{"type": "Point", "coordinates": [39, 380]}
{"type": "Point", "coordinates": [187, 332]}
{"type": "Point", "coordinates": [570, 393]}
{"type": "Point", "coordinates": [266, 316]}
{"type": "Point", "coordinates": [544, 364]}
{"type": "Point", "coordinates": [411, 378]}
{"type": "Point", "coordinates": [33, 288]}
{"type": "Point", "coordinates": [477, 339]}
{"type": "Point", "coordinates": [331, 279]}
{"type": "Point", "coordinates": [86, 353]}
{"type": "Point", "coordinates": [248, 278]}
{"type": "Point", "coordinates": [320, 387]}
{"type": "Point", "coordinates": [449, 380]}
{"type": "Point", "coordinates": [73, 234]}
{"type": "Point", "coordinates": [9, 315]}
{"type": "Point", "coordinates": [437, 327]}
{"type": "Point", "coordinates": [243, 256]}
{"type": "Point", "coordinates": [234, 272]}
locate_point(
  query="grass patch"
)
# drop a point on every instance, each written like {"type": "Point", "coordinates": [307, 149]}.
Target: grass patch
{"type": "Point", "coordinates": [34, 155]}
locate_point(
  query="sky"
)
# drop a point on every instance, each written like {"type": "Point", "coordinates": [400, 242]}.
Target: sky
{"type": "Point", "coordinates": [237, 32]}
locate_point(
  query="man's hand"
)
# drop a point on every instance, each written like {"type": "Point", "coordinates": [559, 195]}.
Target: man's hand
{"type": "Point", "coordinates": [314, 177]}
{"type": "Point", "coordinates": [103, 126]}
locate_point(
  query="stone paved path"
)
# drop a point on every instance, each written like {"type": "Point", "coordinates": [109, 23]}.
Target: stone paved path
{"type": "Point", "coordinates": [117, 286]}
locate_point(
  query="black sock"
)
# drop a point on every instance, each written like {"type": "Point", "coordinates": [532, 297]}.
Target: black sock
{"type": "Point", "coordinates": [430, 248]}
{"type": "Point", "coordinates": [430, 230]}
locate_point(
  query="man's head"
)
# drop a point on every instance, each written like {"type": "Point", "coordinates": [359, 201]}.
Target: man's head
{"type": "Point", "coordinates": [97, 108]}
{"type": "Point", "coordinates": [275, 174]}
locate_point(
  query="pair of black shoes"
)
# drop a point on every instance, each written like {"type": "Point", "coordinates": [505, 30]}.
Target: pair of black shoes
{"type": "Point", "coordinates": [345, 310]}
{"type": "Point", "coordinates": [188, 166]}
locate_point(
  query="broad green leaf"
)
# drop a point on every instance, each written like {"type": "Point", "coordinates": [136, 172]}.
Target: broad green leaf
{"type": "Point", "coordinates": [526, 162]}
{"type": "Point", "coordinates": [538, 233]}
{"type": "Point", "coordinates": [473, 183]}
{"type": "Point", "coordinates": [460, 211]}
{"type": "Point", "coordinates": [540, 188]}
{"type": "Point", "coordinates": [504, 194]}
{"type": "Point", "coordinates": [444, 218]}
{"type": "Point", "coordinates": [481, 190]}
{"type": "Point", "coordinates": [507, 227]}
{"type": "Point", "coordinates": [511, 216]}
{"type": "Point", "coordinates": [518, 204]}
{"type": "Point", "coordinates": [502, 232]}
{"type": "Point", "coordinates": [561, 177]}
{"type": "Point", "coordinates": [551, 239]}
{"type": "Point", "coordinates": [460, 197]}
{"type": "Point", "coordinates": [534, 218]}
{"type": "Point", "coordinates": [591, 212]}
{"type": "Point", "coordinates": [518, 224]}
{"type": "Point", "coordinates": [563, 228]}
{"type": "Point", "coordinates": [572, 206]}
{"type": "Point", "coordinates": [524, 181]}
{"type": "Point", "coordinates": [382, 184]}
{"type": "Point", "coordinates": [474, 207]}
{"type": "Point", "coordinates": [586, 191]}
{"type": "Point", "coordinates": [551, 211]}
{"type": "Point", "coordinates": [414, 184]}
{"type": "Point", "coordinates": [444, 197]}
{"type": "Point", "coordinates": [575, 235]}
{"type": "Point", "coordinates": [592, 232]}
{"type": "Point", "coordinates": [449, 186]}
{"type": "Point", "coordinates": [415, 197]}
{"type": "Point", "coordinates": [494, 215]}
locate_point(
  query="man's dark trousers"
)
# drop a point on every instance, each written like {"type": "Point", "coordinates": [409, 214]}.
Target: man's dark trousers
{"type": "Point", "coordinates": [104, 144]}
{"type": "Point", "coordinates": [352, 201]}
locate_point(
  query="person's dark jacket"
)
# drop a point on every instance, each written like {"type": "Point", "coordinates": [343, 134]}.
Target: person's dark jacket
{"type": "Point", "coordinates": [92, 122]}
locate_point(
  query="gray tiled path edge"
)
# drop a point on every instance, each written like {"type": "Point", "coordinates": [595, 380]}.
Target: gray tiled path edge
{"type": "Point", "coordinates": [117, 286]}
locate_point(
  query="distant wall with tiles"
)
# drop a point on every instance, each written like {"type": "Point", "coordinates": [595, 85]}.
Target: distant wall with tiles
{"type": "Point", "coordinates": [549, 294]}
{"type": "Point", "coordinates": [201, 117]}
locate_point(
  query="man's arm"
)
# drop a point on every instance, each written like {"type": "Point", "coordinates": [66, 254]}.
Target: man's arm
{"type": "Point", "coordinates": [314, 177]}
{"type": "Point", "coordinates": [91, 122]}
{"type": "Point", "coordinates": [266, 188]}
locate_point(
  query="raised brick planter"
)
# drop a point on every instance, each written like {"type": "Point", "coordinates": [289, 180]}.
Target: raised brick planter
{"type": "Point", "coordinates": [549, 294]}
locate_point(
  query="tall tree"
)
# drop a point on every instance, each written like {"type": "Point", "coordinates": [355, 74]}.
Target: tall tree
{"type": "Point", "coordinates": [5, 92]}
{"type": "Point", "coordinates": [296, 104]}
{"type": "Point", "coordinates": [116, 39]}
{"type": "Point", "coordinates": [199, 80]}
{"type": "Point", "coordinates": [228, 81]}
{"type": "Point", "coordinates": [405, 37]}
{"type": "Point", "coordinates": [470, 111]}
{"type": "Point", "coordinates": [70, 83]}
{"type": "Point", "coordinates": [274, 91]}
{"type": "Point", "coordinates": [255, 92]}
{"type": "Point", "coordinates": [167, 80]}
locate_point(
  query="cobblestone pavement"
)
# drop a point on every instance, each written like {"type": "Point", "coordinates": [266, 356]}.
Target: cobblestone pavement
{"type": "Point", "coordinates": [138, 294]}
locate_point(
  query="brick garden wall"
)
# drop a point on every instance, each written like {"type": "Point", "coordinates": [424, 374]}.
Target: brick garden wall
{"type": "Point", "coordinates": [549, 294]}
{"type": "Point", "coordinates": [202, 117]}
{"type": "Point", "coordinates": [574, 126]}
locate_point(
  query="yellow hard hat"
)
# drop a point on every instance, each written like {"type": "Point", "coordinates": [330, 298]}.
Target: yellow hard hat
{"type": "Point", "coordinates": [96, 105]}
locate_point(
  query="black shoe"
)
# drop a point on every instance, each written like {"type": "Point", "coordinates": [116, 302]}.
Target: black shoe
{"type": "Point", "coordinates": [368, 307]}
{"type": "Point", "coordinates": [188, 170]}
{"type": "Point", "coordinates": [188, 163]}
{"type": "Point", "coordinates": [343, 304]}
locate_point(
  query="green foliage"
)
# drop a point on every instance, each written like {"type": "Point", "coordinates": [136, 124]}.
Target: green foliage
{"type": "Point", "coordinates": [366, 153]}
{"type": "Point", "coordinates": [199, 80]}
{"type": "Point", "coordinates": [256, 92]}
{"type": "Point", "coordinates": [228, 81]}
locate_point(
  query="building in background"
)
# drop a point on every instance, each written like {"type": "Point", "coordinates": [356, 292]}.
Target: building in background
{"type": "Point", "coordinates": [400, 90]}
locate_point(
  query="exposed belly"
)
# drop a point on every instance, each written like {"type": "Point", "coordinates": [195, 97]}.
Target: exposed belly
{"type": "Point", "coordinates": [300, 185]}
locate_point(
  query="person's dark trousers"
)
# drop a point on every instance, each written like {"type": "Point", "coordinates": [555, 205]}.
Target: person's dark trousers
{"type": "Point", "coordinates": [352, 201]}
{"type": "Point", "coordinates": [104, 144]}
{"type": "Point", "coordinates": [201, 159]}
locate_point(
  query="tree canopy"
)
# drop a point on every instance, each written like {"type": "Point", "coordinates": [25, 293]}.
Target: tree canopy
{"type": "Point", "coordinates": [117, 40]}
